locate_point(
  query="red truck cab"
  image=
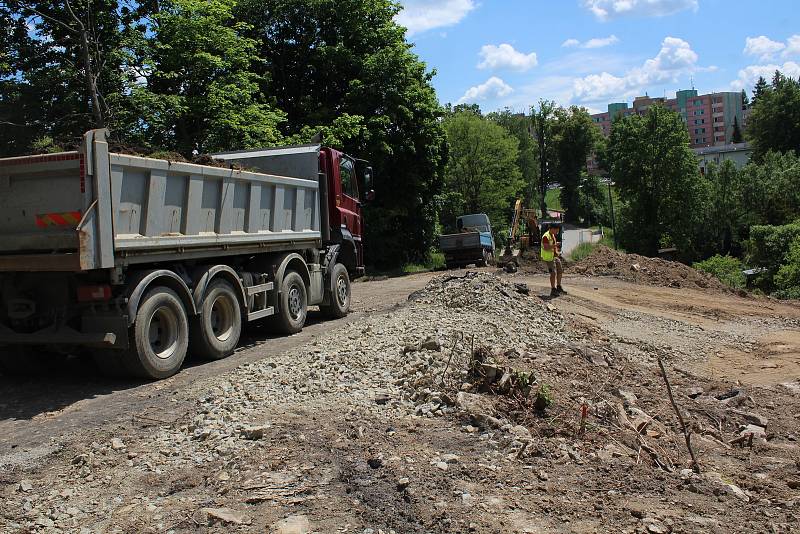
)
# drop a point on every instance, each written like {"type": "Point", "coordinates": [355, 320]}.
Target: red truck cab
{"type": "Point", "coordinates": [349, 185]}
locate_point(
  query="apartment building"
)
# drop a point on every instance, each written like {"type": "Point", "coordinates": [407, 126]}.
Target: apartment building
{"type": "Point", "coordinates": [709, 118]}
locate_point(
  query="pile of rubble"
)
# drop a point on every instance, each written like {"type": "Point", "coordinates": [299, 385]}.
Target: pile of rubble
{"type": "Point", "coordinates": [604, 261]}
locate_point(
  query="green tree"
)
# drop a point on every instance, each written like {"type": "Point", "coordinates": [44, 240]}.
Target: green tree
{"type": "Point", "coordinates": [737, 132]}
{"type": "Point", "coordinates": [745, 100]}
{"type": "Point", "coordinates": [543, 130]}
{"type": "Point", "coordinates": [62, 63]}
{"type": "Point", "coordinates": [771, 189]}
{"type": "Point", "coordinates": [195, 87]}
{"type": "Point", "coordinates": [656, 173]}
{"type": "Point", "coordinates": [774, 119]}
{"type": "Point", "coordinates": [725, 211]}
{"type": "Point", "coordinates": [573, 141]}
{"type": "Point", "coordinates": [482, 170]}
{"type": "Point", "coordinates": [521, 127]}
{"type": "Point", "coordinates": [758, 89]}
{"type": "Point", "coordinates": [787, 279]}
{"type": "Point", "coordinates": [322, 59]}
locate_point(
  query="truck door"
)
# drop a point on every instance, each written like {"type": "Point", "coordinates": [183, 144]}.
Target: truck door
{"type": "Point", "coordinates": [348, 204]}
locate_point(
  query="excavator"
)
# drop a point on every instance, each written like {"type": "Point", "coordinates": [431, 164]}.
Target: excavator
{"type": "Point", "coordinates": [525, 233]}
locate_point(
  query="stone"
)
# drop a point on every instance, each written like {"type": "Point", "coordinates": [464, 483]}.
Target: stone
{"type": "Point", "coordinates": [627, 396]}
{"type": "Point", "coordinates": [474, 404]}
{"type": "Point", "coordinates": [253, 432]}
{"type": "Point", "coordinates": [694, 392]}
{"type": "Point", "coordinates": [117, 444]}
{"type": "Point", "coordinates": [294, 524]}
{"type": "Point", "coordinates": [224, 515]}
{"type": "Point", "coordinates": [25, 486]}
{"type": "Point", "coordinates": [403, 483]}
{"type": "Point", "coordinates": [758, 432]}
{"type": "Point", "coordinates": [441, 465]}
{"type": "Point", "coordinates": [449, 458]}
{"type": "Point", "coordinates": [542, 475]}
{"type": "Point", "coordinates": [431, 344]}
{"type": "Point", "coordinates": [751, 417]}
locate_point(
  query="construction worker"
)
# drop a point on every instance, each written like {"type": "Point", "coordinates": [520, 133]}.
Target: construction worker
{"type": "Point", "coordinates": [551, 255]}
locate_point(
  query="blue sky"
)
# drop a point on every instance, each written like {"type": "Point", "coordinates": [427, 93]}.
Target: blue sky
{"type": "Point", "coordinates": [511, 53]}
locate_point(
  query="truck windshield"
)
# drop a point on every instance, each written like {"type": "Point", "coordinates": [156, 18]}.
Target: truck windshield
{"type": "Point", "coordinates": [472, 223]}
{"type": "Point", "coordinates": [347, 171]}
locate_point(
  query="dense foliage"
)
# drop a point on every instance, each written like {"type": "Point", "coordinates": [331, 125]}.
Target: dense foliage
{"type": "Point", "coordinates": [656, 174]}
{"type": "Point", "coordinates": [726, 268]}
{"type": "Point", "coordinates": [774, 123]}
{"type": "Point", "coordinates": [482, 173]}
{"type": "Point", "coordinates": [210, 75]}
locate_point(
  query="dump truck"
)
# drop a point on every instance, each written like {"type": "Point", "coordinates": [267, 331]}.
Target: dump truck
{"type": "Point", "coordinates": [472, 244]}
{"type": "Point", "coordinates": [140, 262]}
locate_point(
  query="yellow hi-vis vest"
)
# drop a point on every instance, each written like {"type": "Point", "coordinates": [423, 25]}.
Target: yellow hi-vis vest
{"type": "Point", "coordinates": [548, 255]}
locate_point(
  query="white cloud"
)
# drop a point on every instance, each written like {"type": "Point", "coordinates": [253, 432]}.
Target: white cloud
{"type": "Point", "coordinates": [792, 46]}
{"type": "Point", "coordinates": [422, 15]}
{"type": "Point", "coordinates": [763, 47]}
{"type": "Point", "coordinates": [505, 56]}
{"type": "Point", "coordinates": [750, 74]}
{"type": "Point", "coordinates": [494, 87]}
{"type": "Point", "coordinates": [676, 58]}
{"type": "Point", "coordinates": [609, 9]}
{"type": "Point", "coordinates": [600, 42]}
{"type": "Point", "coordinates": [597, 42]}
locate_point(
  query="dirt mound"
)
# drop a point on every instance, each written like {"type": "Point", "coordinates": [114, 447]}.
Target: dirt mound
{"type": "Point", "coordinates": [648, 271]}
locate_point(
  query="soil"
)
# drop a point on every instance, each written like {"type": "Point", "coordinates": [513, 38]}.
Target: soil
{"type": "Point", "coordinates": [380, 423]}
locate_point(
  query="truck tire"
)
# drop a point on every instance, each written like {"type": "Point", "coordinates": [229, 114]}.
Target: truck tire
{"type": "Point", "coordinates": [340, 294]}
{"type": "Point", "coordinates": [292, 305]}
{"type": "Point", "coordinates": [159, 337]}
{"type": "Point", "coordinates": [215, 332]}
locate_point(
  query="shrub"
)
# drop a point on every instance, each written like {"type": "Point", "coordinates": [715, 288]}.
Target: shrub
{"type": "Point", "coordinates": [727, 269]}
{"type": "Point", "coordinates": [787, 279]}
{"type": "Point", "coordinates": [581, 251]}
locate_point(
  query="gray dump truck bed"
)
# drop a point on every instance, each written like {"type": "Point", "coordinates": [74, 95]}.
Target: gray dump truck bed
{"type": "Point", "coordinates": [91, 209]}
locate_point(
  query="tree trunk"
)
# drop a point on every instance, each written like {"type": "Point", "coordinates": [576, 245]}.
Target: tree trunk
{"type": "Point", "coordinates": [91, 86]}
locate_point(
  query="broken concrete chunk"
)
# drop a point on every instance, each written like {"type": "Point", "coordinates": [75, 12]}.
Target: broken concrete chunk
{"type": "Point", "coordinates": [224, 515]}
{"type": "Point", "coordinates": [294, 524]}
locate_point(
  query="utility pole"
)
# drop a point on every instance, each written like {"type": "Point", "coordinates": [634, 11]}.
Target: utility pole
{"type": "Point", "coordinates": [613, 219]}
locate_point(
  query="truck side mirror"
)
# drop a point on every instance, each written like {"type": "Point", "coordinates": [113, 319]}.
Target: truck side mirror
{"type": "Point", "coordinates": [369, 196]}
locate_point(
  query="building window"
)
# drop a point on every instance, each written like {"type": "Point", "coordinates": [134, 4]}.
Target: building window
{"type": "Point", "coordinates": [699, 112]}
{"type": "Point", "coordinates": [697, 141]}
{"type": "Point", "coordinates": [719, 119]}
{"type": "Point", "coordinates": [698, 103]}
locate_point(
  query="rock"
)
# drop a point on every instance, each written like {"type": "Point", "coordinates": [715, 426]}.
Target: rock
{"type": "Point", "coordinates": [750, 417]}
{"type": "Point", "coordinates": [25, 486]}
{"type": "Point", "coordinates": [520, 432]}
{"type": "Point", "coordinates": [117, 444]}
{"type": "Point", "coordinates": [793, 484]}
{"type": "Point", "coordinates": [730, 488]}
{"type": "Point", "coordinates": [403, 483]}
{"type": "Point", "coordinates": [253, 432]}
{"type": "Point", "coordinates": [635, 267]}
{"type": "Point", "coordinates": [758, 432]}
{"type": "Point", "coordinates": [375, 463]}
{"type": "Point", "coordinates": [627, 396]}
{"type": "Point", "coordinates": [294, 524]}
{"type": "Point", "coordinates": [694, 392]}
{"type": "Point", "coordinates": [656, 528]}
{"type": "Point", "coordinates": [382, 398]}
{"type": "Point", "coordinates": [543, 476]}
{"type": "Point", "coordinates": [523, 289]}
{"type": "Point", "coordinates": [449, 458]}
{"type": "Point", "coordinates": [479, 407]}
{"type": "Point", "coordinates": [441, 465]}
{"type": "Point", "coordinates": [431, 344]}
{"type": "Point", "coordinates": [225, 515]}
{"type": "Point", "coordinates": [510, 267]}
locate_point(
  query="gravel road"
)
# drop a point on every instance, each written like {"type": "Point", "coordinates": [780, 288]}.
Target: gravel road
{"type": "Point", "coordinates": [36, 410]}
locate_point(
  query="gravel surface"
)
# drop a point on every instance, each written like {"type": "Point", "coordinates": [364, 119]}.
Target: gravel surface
{"type": "Point", "coordinates": [424, 418]}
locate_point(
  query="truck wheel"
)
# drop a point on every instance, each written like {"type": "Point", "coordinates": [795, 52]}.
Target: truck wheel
{"type": "Point", "coordinates": [292, 305]}
{"type": "Point", "coordinates": [340, 293]}
{"type": "Point", "coordinates": [160, 336]}
{"type": "Point", "coordinates": [215, 332]}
